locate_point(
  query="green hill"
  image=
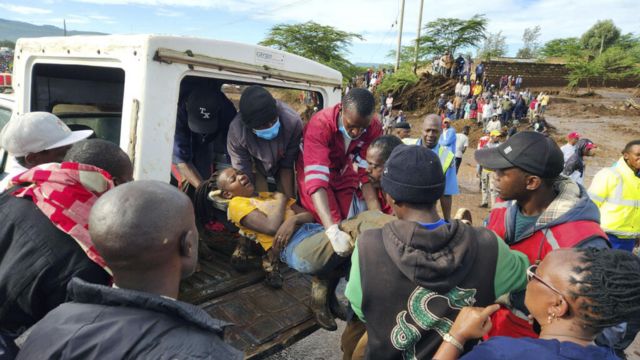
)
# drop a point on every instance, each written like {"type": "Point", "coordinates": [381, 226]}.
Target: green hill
{"type": "Point", "coordinates": [13, 30]}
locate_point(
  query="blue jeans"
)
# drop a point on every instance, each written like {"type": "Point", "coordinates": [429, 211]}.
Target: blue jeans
{"type": "Point", "coordinates": [621, 244]}
{"type": "Point", "coordinates": [308, 249]}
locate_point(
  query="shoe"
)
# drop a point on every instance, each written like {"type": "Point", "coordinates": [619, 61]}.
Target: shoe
{"type": "Point", "coordinates": [240, 256]}
{"type": "Point", "coordinates": [338, 309]}
{"type": "Point", "coordinates": [464, 215]}
{"type": "Point", "coordinates": [274, 279]}
{"type": "Point", "coordinates": [319, 304]}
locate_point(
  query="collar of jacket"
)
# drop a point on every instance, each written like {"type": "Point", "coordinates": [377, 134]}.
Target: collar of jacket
{"type": "Point", "coordinates": [83, 292]}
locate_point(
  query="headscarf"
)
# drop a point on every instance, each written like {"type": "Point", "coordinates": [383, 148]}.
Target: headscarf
{"type": "Point", "coordinates": [65, 194]}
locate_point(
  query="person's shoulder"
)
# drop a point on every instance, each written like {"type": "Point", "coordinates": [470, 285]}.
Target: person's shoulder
{"type": "Point", "coordinates": [287, 114]}
{"type": "Point", "coordinates": [369, 235]}
{"type": "Point", "coordinates": [502, 347]}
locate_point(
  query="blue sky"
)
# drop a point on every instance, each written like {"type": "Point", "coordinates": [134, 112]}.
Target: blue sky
{"type": "Point", "coordinates": [248, 21]}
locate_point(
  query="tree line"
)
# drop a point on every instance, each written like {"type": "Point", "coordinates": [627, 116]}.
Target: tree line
{"type": "Point", "coordinates": [601, 53]}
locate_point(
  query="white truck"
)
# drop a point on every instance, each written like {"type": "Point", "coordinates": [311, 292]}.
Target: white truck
{"type": "Point", "coordinates": [127, 89]}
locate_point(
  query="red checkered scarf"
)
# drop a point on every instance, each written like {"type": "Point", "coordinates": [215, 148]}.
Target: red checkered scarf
{"type": "Point", "coordinates": [65, 194]}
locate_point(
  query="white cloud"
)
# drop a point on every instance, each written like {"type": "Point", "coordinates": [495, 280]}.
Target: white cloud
{"type": "Point", "coordinates": [168, 13]}
{"type": "Point", "coordinates": [25, 10]}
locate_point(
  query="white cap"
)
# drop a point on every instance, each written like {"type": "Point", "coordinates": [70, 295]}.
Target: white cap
{"type": "Point", "coordinates": [38, 131]}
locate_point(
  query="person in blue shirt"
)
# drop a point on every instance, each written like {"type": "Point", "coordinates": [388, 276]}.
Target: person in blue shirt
{"type": "Point", "coordinates": [573, 294]}
{"type": "Point", "coordinates": [204, 115]}
{"type": "Point", "coordinates": [448, 136]}
{"type": "Point", "coordinates": [431, 130]}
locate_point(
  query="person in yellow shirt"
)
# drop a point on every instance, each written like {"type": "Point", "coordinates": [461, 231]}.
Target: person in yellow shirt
{"type": "Point", "coordinates": [544, 101]}
{"type": "Point", "coordinates": [286, 232]}
{"type": "Point", "coordinates": [616, 192]}
{"type": "Point", "coordinates": [477, 89]}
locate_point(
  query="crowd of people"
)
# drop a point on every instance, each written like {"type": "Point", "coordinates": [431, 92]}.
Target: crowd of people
{"type": "Point", "coordinates": [6, 60]}
{"type": "Point", "coordinates": [91, 260]}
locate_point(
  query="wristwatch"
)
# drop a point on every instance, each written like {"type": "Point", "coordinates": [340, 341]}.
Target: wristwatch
{"type": "Point", "coordinates": [451, 340]}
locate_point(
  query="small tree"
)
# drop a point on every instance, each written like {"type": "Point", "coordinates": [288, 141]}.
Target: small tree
{"type": "Point", "coordinates": [563, 48]}
{"type": "Point", "coordinates": [324, 44]}
{"type": "Point", "coordinates": [531, 46]}
{"type": "Point", "coordinates": [495, 45]}
{"type": "Point", "coordinates": [584, 70]}
{"type": "Point", "coordinates": [600, 36]}
{"type": "Point", "coordinates": [452, 34]}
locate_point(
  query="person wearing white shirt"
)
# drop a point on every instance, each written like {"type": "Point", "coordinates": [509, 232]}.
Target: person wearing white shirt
{"type": "Point", "coordinates": [494, 124]}
{"type": "Point", "coordinates": [462, 143]}
{"type": "Point", "coordinates": [569, 148]}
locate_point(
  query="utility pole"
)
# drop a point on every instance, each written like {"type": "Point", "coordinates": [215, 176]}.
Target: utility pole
{"type": "Point", "coordinates": [64, 26]}
{"type": "Point", "coordinates": [415, 60]}
{"type": "Point", "coordinates": [399, 36]}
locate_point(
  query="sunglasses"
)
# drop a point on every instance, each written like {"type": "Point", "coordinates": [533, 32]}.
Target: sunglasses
{"type": "Point", "coordinates": [531, 274]}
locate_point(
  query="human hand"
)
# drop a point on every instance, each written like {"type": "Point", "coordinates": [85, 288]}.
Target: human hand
{"type": "Point", "coordinates": [283, 235]}
{"type": "Point", "coordinates": [472, 322]}
{"type": "Point", "coordinates": [340, 241]}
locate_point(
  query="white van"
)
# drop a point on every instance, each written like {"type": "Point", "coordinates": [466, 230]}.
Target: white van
{"type": "Point", "coordinates": [127, 89]}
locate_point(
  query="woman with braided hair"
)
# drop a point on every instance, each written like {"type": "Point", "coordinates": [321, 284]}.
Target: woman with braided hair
{"type": "Point", "coordinates": [572, 295]}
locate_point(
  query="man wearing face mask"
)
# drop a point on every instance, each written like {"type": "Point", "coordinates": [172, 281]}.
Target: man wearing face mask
{"type": "Point", "coordinates": [264, 139]}
{"type": "Point", "coordinates": [333, 141]}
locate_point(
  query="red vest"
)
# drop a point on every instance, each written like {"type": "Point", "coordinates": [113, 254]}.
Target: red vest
{"type": "Point", "coordinates": [541, 242]}
{"type": "Point", "coordinates": [536, 247]}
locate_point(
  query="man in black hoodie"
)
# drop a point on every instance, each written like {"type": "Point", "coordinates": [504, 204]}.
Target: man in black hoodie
{"type": "Point", "coordinates": [409, 279]}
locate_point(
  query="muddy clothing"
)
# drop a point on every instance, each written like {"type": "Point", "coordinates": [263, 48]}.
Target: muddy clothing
{"type": "Point", "coordinates": [269, 156]}
{"type": "Point", "coordinates": [37, 260]}
{"type": "Point", "coordinates": [327, 162]}
{"type": "Point", "coordinates": [110, 323]}
{"type": "Point", "coordinates": [310, 252]}
{"type": "Point", "coordinates": [405, 275]}
{"type": "Point", "coordinates": [571, 220]}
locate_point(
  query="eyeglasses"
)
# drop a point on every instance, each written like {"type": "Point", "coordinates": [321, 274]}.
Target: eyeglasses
{"type": "Point", "coordinates": [531, 274]}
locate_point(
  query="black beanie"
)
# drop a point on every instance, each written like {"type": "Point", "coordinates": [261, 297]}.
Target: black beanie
{"type": "Point", "coordinates": [257, 106]}
{"type": "Point", "coordinates": [413, 174]}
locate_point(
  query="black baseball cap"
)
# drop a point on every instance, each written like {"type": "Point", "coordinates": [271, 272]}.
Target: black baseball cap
{"type": "Point", "coordinates": [203, 110]}
{"type": "Point", "coordinates": [528, 150]}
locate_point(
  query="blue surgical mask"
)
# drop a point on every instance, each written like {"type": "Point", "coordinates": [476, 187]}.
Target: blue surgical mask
{"type": "Point", "coordinates": [345, 133]}
{"type": "Point", "coordinates": [270, 133]}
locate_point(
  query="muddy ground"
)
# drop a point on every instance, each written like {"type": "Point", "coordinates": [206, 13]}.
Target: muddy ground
{"type": "Point", "coordinates": [602, 118]}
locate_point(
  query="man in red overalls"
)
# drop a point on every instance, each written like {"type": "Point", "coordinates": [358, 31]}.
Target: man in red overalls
{"type": "Point", "coordinates": [537, 211]}
{"type": "Point", "coordinates": [334, 144]}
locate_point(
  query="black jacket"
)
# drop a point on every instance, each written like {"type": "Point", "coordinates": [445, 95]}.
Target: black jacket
{"type": "Point", "coordinates": [110, 323]}
{"type": "Point", "coordinates": [36, 263]}
{"type": "Point", "coordinates": [414, 282]}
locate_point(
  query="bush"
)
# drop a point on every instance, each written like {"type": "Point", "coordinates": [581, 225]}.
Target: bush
{"type": "Point", "coordinates": [398, 81]}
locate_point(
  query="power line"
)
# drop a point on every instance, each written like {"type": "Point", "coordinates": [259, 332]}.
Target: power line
{"type": "Point", "coordinates": [386, 35]}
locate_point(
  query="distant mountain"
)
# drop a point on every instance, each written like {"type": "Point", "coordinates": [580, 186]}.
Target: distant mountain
{"type": "Point", "coordinates": [13, 30]}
